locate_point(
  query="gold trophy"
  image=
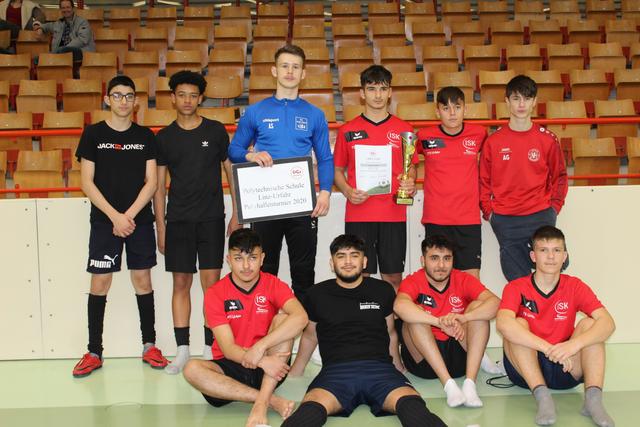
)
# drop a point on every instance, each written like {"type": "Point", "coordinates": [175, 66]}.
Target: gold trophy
{"type": "Point", "coordinates": [408, 149]}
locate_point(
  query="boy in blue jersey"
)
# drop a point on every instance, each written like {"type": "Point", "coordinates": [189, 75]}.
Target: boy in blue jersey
{"type": "Point", "coordinates": [285, 126]}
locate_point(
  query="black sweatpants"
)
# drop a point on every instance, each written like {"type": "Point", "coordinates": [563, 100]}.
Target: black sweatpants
{"type": "Point", "coordinates": [301, 235]}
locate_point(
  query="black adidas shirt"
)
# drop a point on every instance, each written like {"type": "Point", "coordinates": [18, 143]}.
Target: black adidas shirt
{"type": "Point", "coordinates": [194, 158]}
{"type": "Point", "coordinates": [120, 165]}
{"type": "Point", "coordinates": [351, 323]}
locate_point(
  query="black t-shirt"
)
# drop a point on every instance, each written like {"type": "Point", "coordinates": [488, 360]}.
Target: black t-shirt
{"type": "Point", "coordinates": [193, 158]}
{"type": "Point", "coordinates": [120, 166]}
{"type": "Point", "coordinates": [351, 323]}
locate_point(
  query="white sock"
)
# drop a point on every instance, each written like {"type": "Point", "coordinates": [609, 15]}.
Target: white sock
{"type": "Point", "coordinates": [315, 356]}
{"type": "Point", "coordinates": [455, 397]}
{"type": "Point", "coordinates": [488, 366]}
{"type": "Point", "coordinates": [181, 359]}
{"type": "Point", "coordinates": [206, 353]}
{"type": "Point", "coordinates": [472, 400]}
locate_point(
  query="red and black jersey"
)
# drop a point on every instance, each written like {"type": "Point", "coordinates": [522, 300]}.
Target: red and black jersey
{"type": "Point", "coordinates": [451, 195]}
{"type": "Point", "coordinates": [550, 316]}
{"type": "Point", "coordinates": [522, 172]}
{"type": "Point", "coordinates": [362, 131]}
{"type": "Point", "coordinates": [249, 313]}
{"type": "Point", "coordinates": [461, 290]}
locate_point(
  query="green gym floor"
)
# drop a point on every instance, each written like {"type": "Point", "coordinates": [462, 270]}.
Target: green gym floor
{"type": "Point", "coordinates": [126, 393]}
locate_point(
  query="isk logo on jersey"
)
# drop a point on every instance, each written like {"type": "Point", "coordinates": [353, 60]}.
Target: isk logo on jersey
{"type": "Point", "coordinates": [456, 302]}
{"type": "Point", "coordinates": [529, 304]}
{"type": "Point", "coordinates": [469, 144]}
{"type": "Point", "coordinates": [301, 123]}
{"type": "Point", "coordinates": [355, 135]}
{"type": "Point", "coordinates": [119, 147]}
{"type": "Point", "coordinates": [261, 303]}
{"type": "Point", "coordinates": [433, 143]}
{"type": "Point", "coordinates": [424, 299]}
{"type": "Point", "coordinates": [561, 308]}
{"type": "Point", "coordinates": [393, 138]}
{"type": "Point", "coordinates": [232, 305]}
{"type": "Point", "coordinates": [369, 306]}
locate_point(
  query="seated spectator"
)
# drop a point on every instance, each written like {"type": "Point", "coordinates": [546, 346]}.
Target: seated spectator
{"type": "Point", "coordinates": [16, 15]}
{"type": "Point", "coordinates": [71, 33]}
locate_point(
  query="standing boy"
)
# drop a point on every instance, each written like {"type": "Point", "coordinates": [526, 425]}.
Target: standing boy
{"type": "Point", "coordinates": [118, 175]}
{"type": "Point", "coordinates": [451, 196]}
{"type": "Point", "coordinates": [193, 149]}
{"type": "Point", "coordinates": [283, 126]}
{"type": "Point", "coordinates": [523, 179]}
{"type": "Point", "coordinates": [372, 214]}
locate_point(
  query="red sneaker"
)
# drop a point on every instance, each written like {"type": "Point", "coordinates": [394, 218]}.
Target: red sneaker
{"type": "Point", "coordinates": [86, 365]}
{"type": "Point", "coordinates": [154, 358]}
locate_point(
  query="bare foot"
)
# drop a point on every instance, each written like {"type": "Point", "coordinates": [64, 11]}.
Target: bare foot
{"type": "Point", "coordinates": [258, 415]}
{"type": "Point", "coordinates": [282, 406]}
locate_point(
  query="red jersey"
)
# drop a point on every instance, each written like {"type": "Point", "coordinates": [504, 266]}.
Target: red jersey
{"type": "Point", "coordinates": [461, 290]}
{"type": "Point", "coordinates": [451, 194]}
{"type": "Point", "coordinates": [522, 172]}
{"type": "Point", "coordinates": [362, 131]}
{"type": "Point", "coordinates": [248, 313]}
{"type": "Point", "coordinates": [551, 317]}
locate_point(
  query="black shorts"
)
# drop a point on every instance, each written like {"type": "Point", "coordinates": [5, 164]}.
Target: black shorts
{"type": "Point", "coordinates": [105, 249]}
{"type": "Point", "coordinates": [554, 377]}
{"type": "Point", "coordinates": [246, 376]}
{"type": "Point", "coordinates": [361, 382]}
{"type": "Point", "coordinates": [385, 244]}
{"type": "Point", "coordinates": [186, 241]}
{"type": "Point", "coordinates": [467, 240]}
{"type": "Point", "coordinates": [454, 356]}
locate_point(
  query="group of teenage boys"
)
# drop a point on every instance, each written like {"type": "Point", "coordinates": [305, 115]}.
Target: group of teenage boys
{"type": "Point", "coordinates": [515, 179]}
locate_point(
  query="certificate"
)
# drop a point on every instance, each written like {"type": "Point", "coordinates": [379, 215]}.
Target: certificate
{"type": "Point", "coordinates": [373, 168]}
{"type": "Point", "coordinates": [284, 190]}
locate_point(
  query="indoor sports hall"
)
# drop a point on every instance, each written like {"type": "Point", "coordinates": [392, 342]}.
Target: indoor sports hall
{"type": "Point", "coordinates": [583, 54]}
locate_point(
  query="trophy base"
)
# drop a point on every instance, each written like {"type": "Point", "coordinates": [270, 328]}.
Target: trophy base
{"type": "Point", "coordinates": [404, 200]}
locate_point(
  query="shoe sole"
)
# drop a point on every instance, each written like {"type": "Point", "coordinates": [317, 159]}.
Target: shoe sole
{"type": "Point", "coordinates": [155, 367]}
{"type": "Point", "coordinates": [87, 374]}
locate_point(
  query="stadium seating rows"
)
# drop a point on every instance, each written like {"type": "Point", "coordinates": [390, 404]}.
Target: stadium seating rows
{"type": "Point", "coordinates": [580, 58]}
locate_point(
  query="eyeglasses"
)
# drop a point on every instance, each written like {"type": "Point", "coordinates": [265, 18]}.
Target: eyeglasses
{"type": "Point", "coordinates": [119, 96]}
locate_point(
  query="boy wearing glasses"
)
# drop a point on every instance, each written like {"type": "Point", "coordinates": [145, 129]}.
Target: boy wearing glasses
{"type": "Point", "coordinates": [118, 175]}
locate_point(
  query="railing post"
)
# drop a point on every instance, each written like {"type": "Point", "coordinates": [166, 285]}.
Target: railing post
{"type": "Point", "coordinates": [291, 18]}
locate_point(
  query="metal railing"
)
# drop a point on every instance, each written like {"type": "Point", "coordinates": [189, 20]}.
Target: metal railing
{"type": "Point", "coordinates": [334, 125]}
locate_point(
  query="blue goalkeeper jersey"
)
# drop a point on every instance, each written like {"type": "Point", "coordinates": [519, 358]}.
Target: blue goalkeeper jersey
{"type": "Point", "coordinates": [285, 128]}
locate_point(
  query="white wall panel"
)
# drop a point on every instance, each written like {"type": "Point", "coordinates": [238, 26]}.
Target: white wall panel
{"type": "Point", "coordinates": [20, 319]}
{"type": "Point", "coordinates": [601, 225]}
{"type": "Point", "coordinates": [63, 229]}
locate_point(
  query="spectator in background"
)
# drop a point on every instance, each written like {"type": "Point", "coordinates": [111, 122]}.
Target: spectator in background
{"type": "Point", "coordinates": [71, 33]}
{"type": "Point", "coordinates": [16, 15]}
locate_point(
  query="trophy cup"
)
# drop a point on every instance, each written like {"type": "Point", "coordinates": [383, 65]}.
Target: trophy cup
{"type": "Point", "coordinates": [408, 149]}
